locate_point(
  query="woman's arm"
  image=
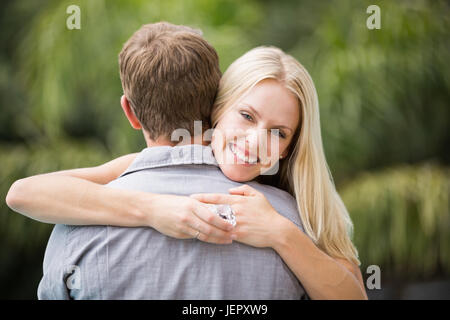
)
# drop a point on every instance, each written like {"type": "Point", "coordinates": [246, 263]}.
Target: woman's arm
{"type": "Point", "coordinates": [259, 225]}
{"type": "Point", "coordinates": [322, 276]}
{"type": "Point", "coordinates": [71, 196]}
{"type": "Point", "coordinates": [76, 197]}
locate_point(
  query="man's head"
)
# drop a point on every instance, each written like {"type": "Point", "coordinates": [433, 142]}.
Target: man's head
{"type": "Point", "coordinates": [170, 76]}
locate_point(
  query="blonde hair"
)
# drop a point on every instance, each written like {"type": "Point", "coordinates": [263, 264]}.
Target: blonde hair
{"type": "Point", "coordinates": [304, 173]}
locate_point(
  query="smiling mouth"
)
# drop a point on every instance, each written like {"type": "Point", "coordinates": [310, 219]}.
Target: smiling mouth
{"type": "Point", "coordinates": [241, 156]}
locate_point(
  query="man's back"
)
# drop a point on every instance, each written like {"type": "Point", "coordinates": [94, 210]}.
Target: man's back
{"type": "Point", "coordinates": [141, 263]}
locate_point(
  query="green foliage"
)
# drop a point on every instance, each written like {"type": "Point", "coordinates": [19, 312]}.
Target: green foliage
{"type": "Point", "coordinates": [22, 240]}
{"type": "Point", "coordinates": [383, 93]}
{"type": "Point", "coordinates": [401, 219]}
{"type": "Point", "coordinates": [18, 162]}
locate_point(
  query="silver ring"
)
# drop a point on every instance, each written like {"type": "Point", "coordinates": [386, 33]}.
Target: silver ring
{"type": "Point", "coordinates": [198, 233]}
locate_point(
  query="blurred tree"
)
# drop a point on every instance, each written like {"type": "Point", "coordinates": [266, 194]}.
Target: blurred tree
{"type": "Point", "coordinates": [402, 220]}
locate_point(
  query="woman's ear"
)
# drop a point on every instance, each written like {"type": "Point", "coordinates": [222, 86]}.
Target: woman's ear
{"type": "Point", "coordinates": [130, 113]}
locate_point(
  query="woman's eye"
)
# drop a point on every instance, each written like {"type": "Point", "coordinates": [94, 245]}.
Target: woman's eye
{"type": "Point", "coordinates": [247, 116]}
{"type": "Point", "coordinates": [281, 134]}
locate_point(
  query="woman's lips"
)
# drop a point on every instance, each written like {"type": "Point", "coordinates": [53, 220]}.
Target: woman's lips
{"type": "Point", "coordinates": [243, 155]}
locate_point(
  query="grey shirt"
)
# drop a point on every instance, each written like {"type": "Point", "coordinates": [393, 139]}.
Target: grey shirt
{"type": "Point", "coordinates": [105, 262]}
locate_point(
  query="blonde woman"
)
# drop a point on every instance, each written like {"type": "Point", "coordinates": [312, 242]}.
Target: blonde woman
{"type": "Point", "coordinates": [264, 89]}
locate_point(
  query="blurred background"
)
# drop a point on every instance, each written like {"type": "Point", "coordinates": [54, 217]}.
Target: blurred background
{"type": "Point", "coordinates": [384, 98]}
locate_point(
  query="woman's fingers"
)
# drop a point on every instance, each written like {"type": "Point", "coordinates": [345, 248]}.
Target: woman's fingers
{"type": "Point", "coordinates": [216, 198]}
{"type": "Point", "coordinates": [209, 239]}
{"type": "Point", "coordinates": [209, 230]}
{"type": "Point", "coordinates": [194, 233]}
{"type": "Point", "coordinates": [244, 190]}
{"type": "Point", "coordinates": [209, 217]}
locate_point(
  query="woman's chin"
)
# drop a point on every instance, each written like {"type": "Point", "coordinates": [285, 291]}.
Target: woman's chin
{"type": "Point", "coordinates": [237, 174]}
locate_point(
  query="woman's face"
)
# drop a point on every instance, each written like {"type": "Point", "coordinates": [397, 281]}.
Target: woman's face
{"type": "Point", "coordinates": [243, 142]}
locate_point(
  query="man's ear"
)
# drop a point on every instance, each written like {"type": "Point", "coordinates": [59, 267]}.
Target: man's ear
{"type": "Point", "coordinates": [130, 113]}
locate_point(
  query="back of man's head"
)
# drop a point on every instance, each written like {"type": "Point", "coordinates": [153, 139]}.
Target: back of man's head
{"type": "Point", "coordinates": [170, 75]}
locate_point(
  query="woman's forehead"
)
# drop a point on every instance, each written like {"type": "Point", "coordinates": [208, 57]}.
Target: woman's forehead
{"type": "Point", "coordinates": [272, 101]}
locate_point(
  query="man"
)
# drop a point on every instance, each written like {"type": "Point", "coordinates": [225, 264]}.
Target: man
{"type": "Point", "coordinates": [169, 75]}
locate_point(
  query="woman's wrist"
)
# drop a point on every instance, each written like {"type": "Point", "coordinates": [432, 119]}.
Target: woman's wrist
{"type": "Point", "coordinates": [116, 207]}
{"type": "Point", "coordinates": [281, 231]}
{"type": "Point", "coordinates": [142, 207]}
{"type": "Point", "coordinates": [137, 208]}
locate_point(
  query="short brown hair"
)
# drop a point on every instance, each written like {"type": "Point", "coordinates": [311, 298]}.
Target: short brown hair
{"type": "Point", "coordinates": [170, 75]}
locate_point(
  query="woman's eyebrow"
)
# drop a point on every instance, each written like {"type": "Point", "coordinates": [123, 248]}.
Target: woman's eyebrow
{"type": "Point", "coordinates": [257, 114]}
{"type": "Point", "coordinates": [283, 127]}
{"type": "Point", "coordinates": [252, 109]}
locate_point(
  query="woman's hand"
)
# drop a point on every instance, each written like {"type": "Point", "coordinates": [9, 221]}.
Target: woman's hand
{"type": "Point", "coordinates": [256, 220]}
{"type": "Point", "coordinates": [183, 218]}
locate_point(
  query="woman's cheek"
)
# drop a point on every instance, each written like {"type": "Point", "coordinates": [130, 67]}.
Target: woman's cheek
{"type": "Point", "coordinates": [217, 142]}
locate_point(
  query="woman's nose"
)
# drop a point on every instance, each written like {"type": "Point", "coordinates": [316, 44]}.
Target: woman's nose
{"type": "Point", "coordinates": [256, 140]}
{"type": "Point", "coordinates": [252, 138]}
{"type": "Point", "coordinates": [262, 141]}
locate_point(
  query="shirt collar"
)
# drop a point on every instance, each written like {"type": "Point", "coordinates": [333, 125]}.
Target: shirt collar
{"type": "Point", "coordinates": [162, 156]}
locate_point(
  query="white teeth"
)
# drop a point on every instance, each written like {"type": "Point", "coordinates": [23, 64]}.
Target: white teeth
{"type": "Point", "coordinates": [240, 155]}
